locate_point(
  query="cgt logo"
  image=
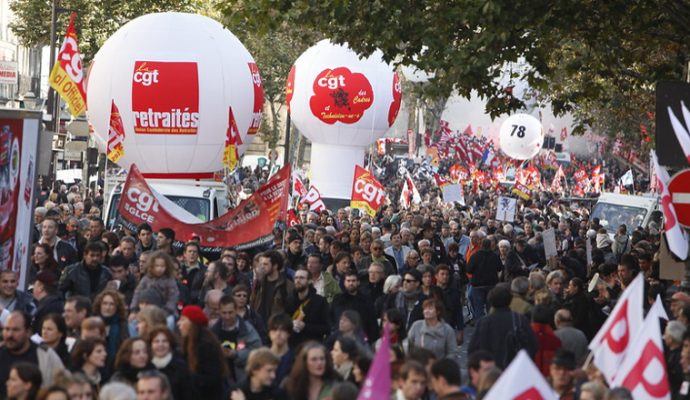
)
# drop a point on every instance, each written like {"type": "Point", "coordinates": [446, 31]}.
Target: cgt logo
{"type": "Point", "coordinates": [370, 192]}
{"type": "Point", "coordinates": [340, 95]}
{"type": "Point", "coordinates": [141, 205]}
{"type": "Point", "coordinates": [144, 76]}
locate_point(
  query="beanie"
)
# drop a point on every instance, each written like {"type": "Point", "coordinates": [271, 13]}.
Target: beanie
{"type": "Point", "coordinates": [196, 315]}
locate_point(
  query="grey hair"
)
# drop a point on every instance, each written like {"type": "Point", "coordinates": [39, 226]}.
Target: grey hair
{"type": "Point", "coordinates": [519, 285]}
{"type": "Point", "coordinates": [675, 330]}
{"type": "Point", "coordinates": [554, 275]}
{"type": "Point", "coordinates": [391, 282]}
{"type": "Point", "coordinates": [504, 243]}
{"type": "Point", "coordinates": [117, 391]}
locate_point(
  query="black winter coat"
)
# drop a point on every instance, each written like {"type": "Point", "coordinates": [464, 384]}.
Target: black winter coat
{"type": "Point", "coordinates": [178, 376]}
{"type": "Point", "coordinates": [49, 304]}
{"type": "Point", "coordinates": [363, 305]}
{"type": "Point", "coordinates": [75, 281]}
{"type": "Point", "coordinates": [491, 332]}
{"type": "Point", "coordinates": [484, 266]}
{"type": "Point", "coordinates": [316, 318]}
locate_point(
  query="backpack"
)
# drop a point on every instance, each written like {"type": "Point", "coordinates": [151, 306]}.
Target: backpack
{"type": "Point", "coordinates": [516, 340]}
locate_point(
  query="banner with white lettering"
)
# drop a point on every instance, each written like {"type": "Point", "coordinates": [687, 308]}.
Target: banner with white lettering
{"type": "Point", "coordinates": [248, 225]}
{"type": "Point", "coordinates": [367, 192]}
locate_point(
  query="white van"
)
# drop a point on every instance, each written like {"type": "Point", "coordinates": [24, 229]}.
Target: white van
{"type": "Point", "coordinates": [206, 200]}
{"type": "Point", "coordinates": [614, 210]}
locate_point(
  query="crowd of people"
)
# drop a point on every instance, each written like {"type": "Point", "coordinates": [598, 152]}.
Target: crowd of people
{"type": "Point", "coordinates": [125, 315]}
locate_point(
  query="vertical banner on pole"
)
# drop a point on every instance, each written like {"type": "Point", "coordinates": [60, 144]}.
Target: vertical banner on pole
{"type": "Point", "coordinates": [18, 155]}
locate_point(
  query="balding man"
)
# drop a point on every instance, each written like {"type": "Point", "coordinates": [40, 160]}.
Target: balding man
{"type": "Point", "coordinates": [678, 301]}
{"type": "Point", "coordinates": [572, 339]}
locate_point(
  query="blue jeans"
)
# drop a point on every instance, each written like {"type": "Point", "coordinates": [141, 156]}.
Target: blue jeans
{"type": "Point", "coordinates": [478, 300]}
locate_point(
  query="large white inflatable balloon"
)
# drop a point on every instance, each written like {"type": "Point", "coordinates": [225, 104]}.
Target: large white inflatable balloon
{"type": "Point", "coordinates": [521, 136]}
{"type": "Point", "coordinates": [342, 104]}
{"type": "Point", "coordinates": [174, 78]}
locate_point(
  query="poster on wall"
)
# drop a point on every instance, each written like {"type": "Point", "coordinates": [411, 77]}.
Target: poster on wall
{"type": "Point", "coordinates": [18, 154]}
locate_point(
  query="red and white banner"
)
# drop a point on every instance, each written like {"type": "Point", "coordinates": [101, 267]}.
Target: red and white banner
{"type": "Point", "coordinates": [313, 200]}
{"type": "Point", "coordinates": [643, 370]}
{"type": "Point", "coordinates": [676, 236]}
{"type": "Point", "coordinates": [248, 225]}
{"type": "Point", "coordinates": [116, 135]}
{"type": "Point", "coordinates": [367, 192]}
{"type": "Point", "coordinates": [409, 194]}
{"type": "Point", "coordinates": [298, 187]}
{"type": "Point", "coordinates": [18, 157]}
{"type": "Point", "coordinates": [521, 381]}
{"type": "Point", "coordinates": [614, 339]}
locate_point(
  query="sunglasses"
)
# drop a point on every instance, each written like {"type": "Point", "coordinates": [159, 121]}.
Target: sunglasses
{"type": "Point", "coordinates": [409, 280]}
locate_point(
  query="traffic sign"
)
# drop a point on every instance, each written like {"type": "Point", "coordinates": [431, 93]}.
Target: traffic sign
{"type": "Point", "coordinates": [679, 188]}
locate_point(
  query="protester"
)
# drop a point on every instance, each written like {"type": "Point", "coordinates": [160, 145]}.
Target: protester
{"type": "Point", "coordinates": [313, 375]}
{"type": "Point", "coordinates": [168, 361]}
{"type": "Point", "coordinates": [202, 351]}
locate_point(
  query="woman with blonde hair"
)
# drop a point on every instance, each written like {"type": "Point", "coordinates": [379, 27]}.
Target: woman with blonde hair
{"type": "Point", "coordinates": [149, 318]}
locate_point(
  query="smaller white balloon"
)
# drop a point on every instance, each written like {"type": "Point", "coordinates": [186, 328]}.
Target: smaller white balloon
{"type": "Point", "coordinates": [521, 136]}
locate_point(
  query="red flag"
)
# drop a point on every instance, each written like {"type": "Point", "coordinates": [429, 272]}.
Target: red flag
{"type": "Point", "coordinates": [298, 186]}
{"type": "Point", "coordinates": [292, 218]}
{"type": "Point", "coordinates": [116, 135]}
{"type": "Point", "coordinates": [67, 76]}
{"type": "Point", "coordinates": [675, 235]}
{"type": "Point", "coordinates": [564, 133]}
{"type": "Point", "coordinates": [468, 130]}
{"type": "Point", "coordinates": [367, 192]}
{"type": "Point", "coordinates": [233, 139]}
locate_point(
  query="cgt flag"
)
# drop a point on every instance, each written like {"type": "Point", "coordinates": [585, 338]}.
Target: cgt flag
{"type": "Point", "coordinates": [612, 342]}
{"type": "Point", "coordinates": [521, 381]}
{"type": "Point", "coordinates": [67, 76]}
{"type": "Point", "coordinates": [116, 135]}
{"type": "Point", "coordinates": [233, 139]}
{"type": "Point", "coordinates": [367, 192]}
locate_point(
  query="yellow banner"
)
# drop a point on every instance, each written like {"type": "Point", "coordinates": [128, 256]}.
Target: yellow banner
{"type": "Point", "coordinates": [68, 90]}
{"type": "Point", "coordinates": [115, 154]}
{"type": "Point", "coordinates": [230, 157]}
{"type": "Point", "coordinates": [364, 206]}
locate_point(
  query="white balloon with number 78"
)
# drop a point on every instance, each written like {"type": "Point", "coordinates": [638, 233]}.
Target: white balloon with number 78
{"type": "Point", "coordinates": [521, 136]}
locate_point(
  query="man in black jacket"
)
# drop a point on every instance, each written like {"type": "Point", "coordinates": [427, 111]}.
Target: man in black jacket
{"type": "Point", "coordinates": [88, 277]}
{"type": "Point", "coordinates": [353, 299]}
{"type": "Point", "coordinates": [409, 299]}
{"type": "Point", "coordinates": [484, 266]}
{"type": "Point", "coordinates": [503, 333]}
{"type": "Point", "coordinates": [309, 311]}
{"type": "Point", "coordinates": [47, 298]}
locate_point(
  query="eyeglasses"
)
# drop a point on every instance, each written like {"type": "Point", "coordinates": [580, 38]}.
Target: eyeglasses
{"type": "Point", "coordinates": [409, 280]}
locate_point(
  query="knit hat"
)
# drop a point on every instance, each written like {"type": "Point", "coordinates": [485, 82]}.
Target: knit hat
{"type": "Point", "coordinates": [196, 315]}
{"type": "Point", "coordinates": [151, 296]}
{"type": "Point", "coordinates": [564, 359]}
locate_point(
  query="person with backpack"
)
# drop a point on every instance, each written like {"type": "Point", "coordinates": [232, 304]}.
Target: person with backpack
{"type": "Point", "coordinates": [503, 333]}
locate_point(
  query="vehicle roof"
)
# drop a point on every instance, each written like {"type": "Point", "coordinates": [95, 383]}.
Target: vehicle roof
{"type": "Point", "coordinates": [177, 189]}
{"type": "Point", "coordinates": [628, 200]}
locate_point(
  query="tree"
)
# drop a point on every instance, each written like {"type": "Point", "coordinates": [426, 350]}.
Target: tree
{"type": "Point", "coordinates": [96, 20]}
{"type": "Point", "coordinates": [275, 53]}
{"type": "Point", "coordinates": [584, 56]}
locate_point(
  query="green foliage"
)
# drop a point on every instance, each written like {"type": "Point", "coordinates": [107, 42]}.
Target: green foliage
{"type": "Point", "coordinates": [597, 59]}
{"type": "Point", "coordinates": [96, 20]}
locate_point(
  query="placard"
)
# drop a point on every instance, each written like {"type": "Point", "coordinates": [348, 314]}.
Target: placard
{"type": "Point", "coordinates": [550, 249]}
{"type": "Point", "coordinates": [505, 209]}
